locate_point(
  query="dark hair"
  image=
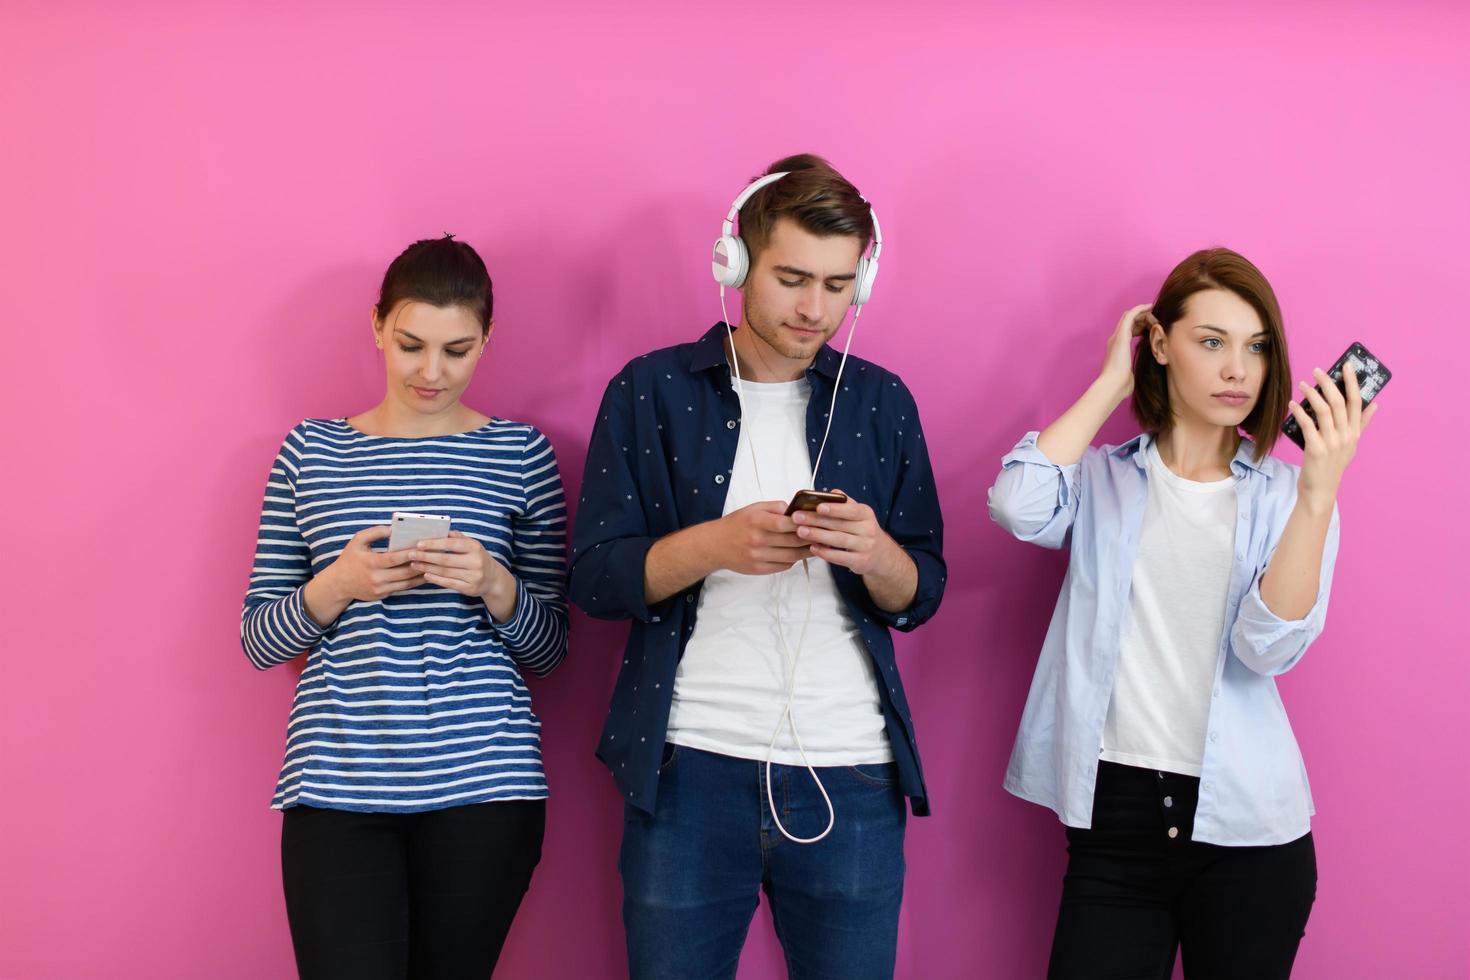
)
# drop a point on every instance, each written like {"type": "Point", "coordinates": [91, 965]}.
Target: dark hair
{"type": "Point", "coordinates": [1216, 268]}
{"type": "Point", "coordinates": [814, 195]}
{"type": "Point", "coordinates": [441, 272]}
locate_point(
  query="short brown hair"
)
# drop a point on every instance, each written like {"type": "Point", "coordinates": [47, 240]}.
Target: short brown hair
{"type": "Point", "coordinates": [1216, 268]}
{"type": "Point", "coordinates": [814, 195]}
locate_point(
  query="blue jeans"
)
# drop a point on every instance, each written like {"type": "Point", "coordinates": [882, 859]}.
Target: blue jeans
{"type": "Point", "coordinates": [692, 872]}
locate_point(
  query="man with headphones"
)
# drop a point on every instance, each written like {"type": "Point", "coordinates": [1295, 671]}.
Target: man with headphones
{"type": "Point", "coordinates": [759, 734]}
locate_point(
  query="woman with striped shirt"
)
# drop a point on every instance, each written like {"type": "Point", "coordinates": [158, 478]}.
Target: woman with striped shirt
{"type": "Point", "coordinates": [412, 787]}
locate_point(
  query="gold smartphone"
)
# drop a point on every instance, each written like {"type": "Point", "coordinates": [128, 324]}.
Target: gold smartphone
{"type": "Point", "coordinates": [811, 499]}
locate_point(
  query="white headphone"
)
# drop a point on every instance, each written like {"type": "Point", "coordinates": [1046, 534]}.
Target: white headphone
{"type": "Point", "coordinates": [731, 263]}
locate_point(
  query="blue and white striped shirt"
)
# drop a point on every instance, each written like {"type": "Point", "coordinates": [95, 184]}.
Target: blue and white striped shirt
{"type": "Point", "coordinates": [414, 702]}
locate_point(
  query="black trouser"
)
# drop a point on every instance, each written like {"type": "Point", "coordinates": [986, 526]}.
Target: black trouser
{"type": "Point", "coordinates": [1134, 894]}
{"type": "Point", "coordinates": [422, 895]}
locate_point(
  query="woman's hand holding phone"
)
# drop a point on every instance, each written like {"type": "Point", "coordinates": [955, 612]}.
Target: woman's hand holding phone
{"type": "Point", "coordinates": [361, 573]}
{"type": "Point", "coordinates": [461, 563]}
{"type": "Point", "coordinates": [1332, 438]}
{"type": "Point", "coordinates": [1291, 583]}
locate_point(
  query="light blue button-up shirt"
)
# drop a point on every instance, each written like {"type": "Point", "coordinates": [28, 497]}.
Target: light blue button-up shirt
{"type": "Point", "coordinates": [1253, 784]}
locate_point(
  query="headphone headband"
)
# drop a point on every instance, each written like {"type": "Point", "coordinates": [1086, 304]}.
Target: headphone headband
{"type": "Point", "coordinates": [731, 262]}
{"type": "Point", "coordinates": [729, 226]}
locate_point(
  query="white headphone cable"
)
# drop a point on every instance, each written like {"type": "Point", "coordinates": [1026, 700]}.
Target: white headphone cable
{"type": "Point", "coordinates": [788, 717]}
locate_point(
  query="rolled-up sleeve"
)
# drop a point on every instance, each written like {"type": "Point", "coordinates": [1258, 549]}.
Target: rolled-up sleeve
{"type": "Point", "coordinates": [611, 538]}
{"type": "Point", "coordinates": [1033, 498]}
{"type": "Point", "coordinates": [916, 524]}
{"type": "Point", "coordinates": [1265, 642]}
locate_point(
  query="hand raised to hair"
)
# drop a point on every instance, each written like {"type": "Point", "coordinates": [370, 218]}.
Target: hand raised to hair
{"type": "Point", "coordinates": [1117, 366]}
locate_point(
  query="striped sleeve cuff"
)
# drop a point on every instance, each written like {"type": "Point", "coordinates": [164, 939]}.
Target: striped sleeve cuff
{"type": "Point", "coordinates": [519, 629]}
{"type": "Point", "coordinates": [535, 635]}
{"type": "Point", "coordinates": [291, 626]}
{"type": "Point", "coordinates": [279, 630]}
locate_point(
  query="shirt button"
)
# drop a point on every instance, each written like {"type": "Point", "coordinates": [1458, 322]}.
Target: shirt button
{"type": "Point", "coordinates": [1168, 801]}
{"type": "Point", "coordinates": [689, 597]}
{"type": "Point", "coordinates": [730, 424]}
{"type": "Point", "coordinates": [719, 478]}
{"type": "Point", "coordinates": [1214, 736]}
{"type": "Point", "coordinates": [1173, 832]}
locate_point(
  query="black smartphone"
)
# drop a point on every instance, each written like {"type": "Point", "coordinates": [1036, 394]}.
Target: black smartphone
{"type": "Point", "coordinates": [1372, 376]}
{"type": "Point", "coordinates": [812, 499]}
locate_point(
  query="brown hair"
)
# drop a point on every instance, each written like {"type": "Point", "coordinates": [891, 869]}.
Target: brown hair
{"type": "Point", "coordinates": [812, 194]}
{"type": "Point", "coordinates": [441, 272]}
{"type": "Point", "coordinates": [1216, 268]}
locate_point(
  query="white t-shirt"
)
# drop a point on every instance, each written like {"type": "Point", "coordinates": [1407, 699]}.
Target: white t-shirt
{"type": "Point", "coordinates": [730, 689]}
{"type": "Point", "coordinates": [1176, 613]}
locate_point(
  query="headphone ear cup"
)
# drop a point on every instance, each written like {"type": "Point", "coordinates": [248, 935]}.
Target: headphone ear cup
{"type": "Point", "coordinates": [862, 288]}
{"type": "Point", "coordinates": [730, 262]}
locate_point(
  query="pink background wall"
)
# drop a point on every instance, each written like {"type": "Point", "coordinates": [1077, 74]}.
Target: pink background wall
{"type": "Point", "coordinates": [197, 205]}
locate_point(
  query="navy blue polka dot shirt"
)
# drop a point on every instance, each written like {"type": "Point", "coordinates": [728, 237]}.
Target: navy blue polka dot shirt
{"type": "Point", "coordinates": [660, 459]}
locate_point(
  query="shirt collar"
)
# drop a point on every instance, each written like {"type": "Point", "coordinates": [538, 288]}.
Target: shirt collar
{"type": "Point", "coordinates": [1245, 455]}
{"type": "Point", "coordinates": [709, 352]}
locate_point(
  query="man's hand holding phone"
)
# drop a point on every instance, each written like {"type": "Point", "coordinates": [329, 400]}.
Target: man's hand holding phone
{"type": "Point", "coordinates": [758, 539]}
{"type": "Point", "coordinates": [848, 534]}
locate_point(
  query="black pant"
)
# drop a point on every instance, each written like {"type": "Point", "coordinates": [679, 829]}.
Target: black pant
{"type": "Point", "coordinates": [396, 895]}
{"type": "Point", "coordinates": [1134, 894]}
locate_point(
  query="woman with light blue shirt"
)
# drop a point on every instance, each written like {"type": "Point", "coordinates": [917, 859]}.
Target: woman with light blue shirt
{"type": "Point", "coordinates": [1200, 569]}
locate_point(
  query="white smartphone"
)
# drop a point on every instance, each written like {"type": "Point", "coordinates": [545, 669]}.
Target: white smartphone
{"type": "Point", "coordinates": [410, 529]}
